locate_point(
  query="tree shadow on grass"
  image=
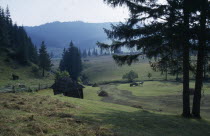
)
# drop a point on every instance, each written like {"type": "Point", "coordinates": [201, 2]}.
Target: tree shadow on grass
{"type": "Point", "coordinates": [144, 123]}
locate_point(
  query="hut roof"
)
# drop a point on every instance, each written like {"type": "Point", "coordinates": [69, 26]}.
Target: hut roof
{"type": "Point", "coordinates": [66, 84]}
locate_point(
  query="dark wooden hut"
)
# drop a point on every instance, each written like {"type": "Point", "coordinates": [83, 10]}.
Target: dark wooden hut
{"type": "Point", "coordinates": [68, 87]}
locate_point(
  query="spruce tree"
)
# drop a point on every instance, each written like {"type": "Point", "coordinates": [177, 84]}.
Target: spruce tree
{"type": "Point", "coordinates": [159, 33]}
{"type": "Point", "coordinates": [84, 54]}
{"type": "Point", "coordinates": [71, 61]}
{"type": "Point", "coordinates": [202, 36]}
{"type": "Point", "coordinates": [89, 53]}
{"type": "Point", "coordinates": [62, 65]}
{"type": "Point", "coordinates": [44, 59]}
{"type": "Point", "coordinates": [4, 31]}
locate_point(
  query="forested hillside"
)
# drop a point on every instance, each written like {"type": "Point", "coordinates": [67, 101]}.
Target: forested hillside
{"type": "Point", "coordinates": [19, 57]}
{"type": "Point", "coordinates": [15, 41]}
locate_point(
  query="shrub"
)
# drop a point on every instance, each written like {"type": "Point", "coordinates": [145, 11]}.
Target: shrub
{"type": "Point", "coordinates": [35, 69]}
{"type": "Point", "coordinates": [95, 85]}
{"type": "Point", "coordinates": [103, 94]}
{"type": "Point", "coordinates": [61, 74]}
{"type": "Point", "coordinates": [149, 75]}
{"type": "Point", "coordinates": [84, 79]}
{"type": "Point", "coordinates": [130, 76]}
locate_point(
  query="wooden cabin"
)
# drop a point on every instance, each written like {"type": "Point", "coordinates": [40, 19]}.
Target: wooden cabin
{"type": "Point", "coordinates": [68, 87]}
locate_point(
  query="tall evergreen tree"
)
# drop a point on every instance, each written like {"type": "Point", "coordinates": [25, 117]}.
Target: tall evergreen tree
{"type": "Point", "coordinates": [84, 54]}
{"type": "Point", "coordinates": [202, 36]}
{"type": "Point", "coordinates": [164, 28]}
{"type": "Point", "coordinates": [71, 61]}
{"type": "Point", "coordinates": [89, 53]}
{"type": "Point", "coordinates": [44, 59]}
{"type": "Point", "coordinates": [4, 31]}
{"type": "Point", "coordinates": [62, 65]}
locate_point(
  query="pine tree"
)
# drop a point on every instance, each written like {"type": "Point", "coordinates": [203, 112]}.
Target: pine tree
{"type": "Point", "coordinates": [84, 54]}
{"type": "Point", "coordinates": [204, 10]}
{"type": "Point", "coordinates": [160, 38]}
{"type": "Point", "coordinates": [23, 47]}
{"type": "Point", "coordinates": [96, 52]}
{"type": "Point", "coordinates": [44, 59]}
{"type": "Point", "coordinates": [71, 61]}
{"type": "Point", "coordinates": [4, 31]}
{"type": "Point", "coordinates": [101, 51]}
{"type": "Point", "coordinates": [34, 54]}
{"type": "Point", "coordinates": [89, 53]}
{"type": "Point", "coordinates": [62, 65]}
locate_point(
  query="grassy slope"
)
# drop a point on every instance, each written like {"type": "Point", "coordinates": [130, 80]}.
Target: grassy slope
{"type": "Point", "coordinates": [24, 72]}
{"type": "Point", "coordinates": [87, 117]}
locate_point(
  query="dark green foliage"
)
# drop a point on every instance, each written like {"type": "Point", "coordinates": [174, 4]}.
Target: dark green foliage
{"type": "Point", "coordinates": [84, 78]}
{"type": "Point", "coordinates": [61, 74]}
{"type": "Point", "coordinates": [4, 29]}
{"type": "Point", "coordinates": [71, 61]}
{"type": "Point", "coordinates": [35, 69]}
{"type": "Point", "coordinates": [130, 76]}
{"type": "Point", "coordinates": [149, 75]}
{"type": "Point", "coordinates": [44, 59]}
{"type": "Point", "coordinates": [15, 38]}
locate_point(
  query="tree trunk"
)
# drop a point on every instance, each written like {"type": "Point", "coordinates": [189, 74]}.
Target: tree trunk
{"type": "Point", "coordinates": [204, 69]}
{"type": "Point", "coordinates": [43, 72]}
{"type": "Point", "coordinates": [177, 76]}
{"type": "Point", "coordinates": [200, 61]}
{"type": "Point", "coordinates": [186, 59]}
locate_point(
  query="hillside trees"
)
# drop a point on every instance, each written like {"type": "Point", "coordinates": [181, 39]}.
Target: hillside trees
{"type": "Point", "coordinates": [89, 53]}
{"type": "Point", "coordinates": [15, 39]}
{"type": "Point", "coordinates": [161, 31]}
{"type": "Point", "coordinates": [84, 53]}
{"type": "Point", "coordinates": [44, 59]}
{"type": "Point", "coordinates": [71, 61]}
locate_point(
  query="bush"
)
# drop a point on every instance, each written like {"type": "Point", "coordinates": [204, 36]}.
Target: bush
{"type": "Point", "coordinates": [130, 76]}
{"type": "Point", "coordinates": [35, 69]}
{"type": "Point", "coordinates": [84, 78]}
{"type": "Point", "coordinates": [103, 94]}
{"type": "Point", "coordinates": [95, 85]}
{"type": "Point", "coordinates": [149, 75]}
{"type": "Point", "coordinates": [61, 74]}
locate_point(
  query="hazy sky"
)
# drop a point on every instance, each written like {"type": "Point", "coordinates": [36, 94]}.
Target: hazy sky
{"type": "Point", "coordinates": [36, 12]}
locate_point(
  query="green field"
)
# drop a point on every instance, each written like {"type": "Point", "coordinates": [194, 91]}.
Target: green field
{"type": "Point", "coordinates": [103, 68]}
{"type": "Point", "coordinates": [45, 114]}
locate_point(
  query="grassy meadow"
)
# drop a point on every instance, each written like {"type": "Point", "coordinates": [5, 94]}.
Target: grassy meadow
{"type": "Point", "coordinates": [158, 96]}
{"type": "Point", "coordinates": [103, 68]}
{"type": "Point", "coordinates": [43, 113]}
{"type": "Point", "coordinates": [153, 109]}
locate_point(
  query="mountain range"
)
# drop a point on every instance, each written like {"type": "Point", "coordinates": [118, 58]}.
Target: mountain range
{"type": "Point", "coordinates": [57, 35]}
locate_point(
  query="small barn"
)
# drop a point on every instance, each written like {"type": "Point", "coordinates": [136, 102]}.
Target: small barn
{"type": "Point", "coordinates": [68, 87]}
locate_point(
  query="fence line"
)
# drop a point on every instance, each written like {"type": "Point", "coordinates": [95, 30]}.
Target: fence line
{"type": "Point", "coordinates": [23, 88]}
